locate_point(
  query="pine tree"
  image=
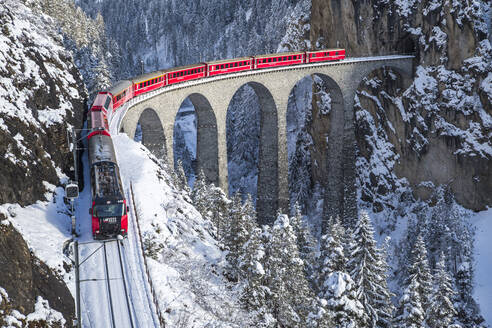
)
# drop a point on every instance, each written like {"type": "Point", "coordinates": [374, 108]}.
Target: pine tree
{"type": "Point", "coordinates": [251, 269]}
{"type": "Point", "coordinates": [441, 313]}
{"type": "Point", "coordinates": [332, 257]}
{"type": "Point", "coordinates": [420, 269]}
{"type": "Point", "coordinates": [411, 313]}
{"type": "Point", "coordinates": [199, 194]}
{"type": "Point", "coordinates": [238, 232]}
{"type": "Point", "coordinates": [305, 241]}
{"type": "Point", "coordinates": [419, 288]}
{"type": "Point", "coordinates": [181, 177]}
{"type": "Point", "coordinates": [290, 298]}
{"type": "Point", "coordinates": [336, 286]}
{"type": "Point", "coordinates": [218, 209]}
{"type": "Point", "coordinates": [367, 268]}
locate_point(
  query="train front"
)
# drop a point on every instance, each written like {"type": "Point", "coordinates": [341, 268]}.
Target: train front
{"type": "Point", "coordinates": [109, 217]}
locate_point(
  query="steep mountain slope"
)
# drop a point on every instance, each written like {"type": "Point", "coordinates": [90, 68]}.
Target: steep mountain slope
{"type": "Point", "coordinates": [40, 98]}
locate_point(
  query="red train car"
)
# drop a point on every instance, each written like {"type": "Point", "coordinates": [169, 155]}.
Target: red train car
{"type": "Point", "coordinates": [324, 55]}
{"type": "Point", "coordinates": [186, 73]}
{"type": "Point", "coordinates": [148, 82]}
{"type": "Point", "coordinates": [121, 93]}
{"type": "Point", "coordinates": [280, 59]}
{"type": "Point", "coordinates": [102, 102]}
{"type": "Point", "coordinates": [98, 123]}
{"type": "Point", "coordinates": [229, 66]}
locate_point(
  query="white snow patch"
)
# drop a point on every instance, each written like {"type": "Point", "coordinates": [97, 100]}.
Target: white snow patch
{"type": "Point", "coordinates": [483, 262]}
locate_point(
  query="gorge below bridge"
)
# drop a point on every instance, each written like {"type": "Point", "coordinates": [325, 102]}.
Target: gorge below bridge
{"type": "Point", "coordinates": [211, 97]}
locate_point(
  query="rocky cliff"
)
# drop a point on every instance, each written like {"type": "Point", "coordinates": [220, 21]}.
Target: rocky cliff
{"type": "Point", "coordinates": [41, 97]}
{"type": "Point", "coordinates": [434, 129]}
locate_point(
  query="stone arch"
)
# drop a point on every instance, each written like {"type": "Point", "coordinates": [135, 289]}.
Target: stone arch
{"type": "Point", "coordinates": [267, 197]}
{"type": "Point", "coordinates": [153, 136]}
{"type": "Point", "coordinates": [207, 140]}
{"type": "Point", "coordinates": [326, 129]}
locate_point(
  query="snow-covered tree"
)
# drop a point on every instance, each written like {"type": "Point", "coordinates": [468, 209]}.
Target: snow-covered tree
{"type": "Point", "coordinates": [182, 181]}
{"type": "Point", "coordinates": [332, 256]}
{"type": "Point", "coordinates": [241, 223]}
{"type": "Point", "coordinates": [416, 296]}
{"type": "Point", "coordinates": [441, 313]}
{"type": "Point", "coordinates": [199, 194]}
{"type": "Point", "coordinates": [411, 313]}
{"type": "Point", "coordinates": [368, 269]}
{"type": "Point", "coordinates": [290, 299]}
{"type": "Point", "coordinates": [342, 306]}
{"type": "Point", "coordinates": [305, 240]}
{"type": "Point", "coordinates": [252, 273]}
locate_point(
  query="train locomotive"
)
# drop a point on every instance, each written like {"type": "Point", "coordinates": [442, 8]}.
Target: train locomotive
{"type": "Point", "coordinates": [109, 209]}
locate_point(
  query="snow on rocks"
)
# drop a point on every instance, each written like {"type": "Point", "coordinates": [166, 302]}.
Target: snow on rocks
{"type": "Point", "coordinates": [43, 314]}
{"type": "Point", "coordinates": [21, 76]}
{"type": "Point", "coordinates": [45, 226]}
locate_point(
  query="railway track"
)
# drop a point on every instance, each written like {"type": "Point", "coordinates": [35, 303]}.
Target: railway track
{"type": "Point", "coordinates": [106, 296]}
{"type": "Point", "coordinates": [120, 307]}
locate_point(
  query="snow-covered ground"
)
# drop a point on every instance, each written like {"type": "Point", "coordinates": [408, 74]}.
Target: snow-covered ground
{"type": "Point", "coordinates": [45, 226]}
{"type": "Point", "coordinates": [483, 258]}
{"type": "Point", "coordinates": [187, 259]}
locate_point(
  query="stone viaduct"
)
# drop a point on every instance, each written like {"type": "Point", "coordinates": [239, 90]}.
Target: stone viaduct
{"type": "Point", "coordinates": [211, 97]}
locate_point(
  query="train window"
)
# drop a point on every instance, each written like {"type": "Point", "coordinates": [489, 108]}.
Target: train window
{"type": "Point", "coordinates": [108, 101]}
{"type": "Point", "coordinates": [336, 53]}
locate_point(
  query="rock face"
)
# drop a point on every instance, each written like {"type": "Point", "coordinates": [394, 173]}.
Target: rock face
{"type": "Point", "coordinates": [25, 278]}
{"type": "Point", "coordinates": [39, 101]}
{"type": "Point", "coordinates": [437, 127]}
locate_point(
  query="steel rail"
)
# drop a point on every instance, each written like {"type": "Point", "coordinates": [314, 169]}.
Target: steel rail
{"type": "Point", "coordinates": [124, 284]}
{"type": "Point", "coordinates": [108, 285]}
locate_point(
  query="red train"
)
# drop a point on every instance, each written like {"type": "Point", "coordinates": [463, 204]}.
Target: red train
{"type": "Point", "coordinates": [109, 208]}
{"type": "Point", "coordinates": [125, 90]}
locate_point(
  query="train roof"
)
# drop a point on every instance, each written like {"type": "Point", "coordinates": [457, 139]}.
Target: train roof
{"type": "Point", "coordinates": [100, 100]}
{"type": "Point", "coordinates": [101, 149]}
{"type": "Point", "coordinates": [280, 54]}
{"type": "Point", "coordinates": [148, 76]}
{"type": "Point", "coordinates": [324, 50]}
{"type": "Point", "coordinates": [228, 60]}
{"type": "Point", "coordinates": [119, 87]}
{"type": "Point", "coordinates": [106, 181]}
{"type": "Point", "coordinates": [175, 69]}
